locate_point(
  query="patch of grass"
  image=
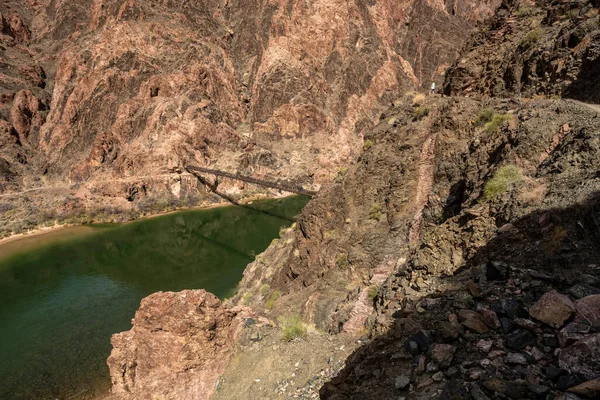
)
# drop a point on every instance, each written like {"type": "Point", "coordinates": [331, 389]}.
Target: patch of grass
{"type": "Point", "coordinates": [420, 112]}
{"type": "Point", "coordinates": [524, 11]}
{"type": "Point", "coordinates": [271, 300]}
{"type": "Point", "coordinates": [504, 179]}
{"type": "Point", "coordinates": [497, 121]}
{"type": "Point", "coordinates": [368, 144]}
{"type": "Point", "coordinates": [292, 327]}
{"type": "Point", "coordinates": [247, 298]}
{"type": "Point", "coordinates": [484, 116]}
{"type": "Point", "coordinates": [375, 212]}
{"type": "Point", "coordinates": [373, 291]}
{"type": "Point", "coordinates": [532, 37]}
{"type": "Point", "coordinates": [342, 261]}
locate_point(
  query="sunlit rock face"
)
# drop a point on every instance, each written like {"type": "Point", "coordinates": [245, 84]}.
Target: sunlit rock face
{"type": "Point", "coordinates": [106, 88]}
{"type": "Point", "coordinates": [178, 346]}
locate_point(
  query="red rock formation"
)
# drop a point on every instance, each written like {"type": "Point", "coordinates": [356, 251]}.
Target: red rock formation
{"type": "Point", "coordinates": [179, 344]}
{"type": "Point", "coordinates": [140, 87]}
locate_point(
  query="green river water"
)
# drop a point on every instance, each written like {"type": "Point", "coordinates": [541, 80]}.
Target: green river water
{"type": "Point", "coordinates": [62, 299]}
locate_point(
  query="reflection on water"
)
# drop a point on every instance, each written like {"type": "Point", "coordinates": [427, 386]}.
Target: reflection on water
{"type": "Point", "coordinates": [60, 302]}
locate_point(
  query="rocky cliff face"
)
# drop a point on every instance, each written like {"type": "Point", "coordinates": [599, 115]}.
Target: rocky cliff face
{"type": "Point", "coordinates": [547, 48]}
{"type": "Point", "coordinates": [187, 335]}
{"type": "Point", "coordinates": [104, 90]}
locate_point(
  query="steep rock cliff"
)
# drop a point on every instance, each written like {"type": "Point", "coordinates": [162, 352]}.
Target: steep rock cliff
{"type": "Point", "coordinates": [547, 48]}
{"type": "Point", "coordinates": [108, 93]}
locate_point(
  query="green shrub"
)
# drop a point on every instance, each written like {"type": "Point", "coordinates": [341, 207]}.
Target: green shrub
{"type": "Point", "coordinates": [283, 230]}
{"type": "Point", "coordinates": [292, 327]}
{"type": "Point", "coordinates": [505, 178]}
{"type": "Point", "coordinates": [532, 37]}
{"type": "Point", "coordinates": [420, 112]}
{"type": "Point", "coordinates": [271, 300]}
{"type": "Point", "coordinates": [373, 291]}
{"type": "Point", "coordinates": [342, 261]}
{"type": "Point", "coordinates": [497, 121]}
{"type": "Point", "coordinates": [484, 116]}
{"type": "Point", "coordinates": [247, 298]}
{"type": "Point", "coordinates": [524, 11]}
{"type": "Point", "coordinates": [368, 144]}
{"type": "Point", "coordinates": [375, 211]}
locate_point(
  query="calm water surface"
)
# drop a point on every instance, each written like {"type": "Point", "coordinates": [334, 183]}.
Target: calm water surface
{"type": "Point", "coordinates": [61, 299]}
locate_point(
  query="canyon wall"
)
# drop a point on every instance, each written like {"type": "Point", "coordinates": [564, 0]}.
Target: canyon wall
{"type": "Point", "coordinates": [103, 89]}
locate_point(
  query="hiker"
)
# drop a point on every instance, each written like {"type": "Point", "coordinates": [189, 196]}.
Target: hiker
{"type": "Point", "coordinates": [432, 88]}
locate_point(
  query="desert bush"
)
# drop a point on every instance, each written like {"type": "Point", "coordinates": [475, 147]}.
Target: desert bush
{"type": "Point", "coordinates": [341, 261]}
{"type": "Point", "coordinates": [497, 121]}
{"type": "Point", "coordinates": [524, 11]}
{"type": "Point", "coordinates": [418, 99]}
{"type": "Point", "coordinates": [373, 291]}
{"type": "Point", "coordinates": [420, 112]}
{"type": "Point", "coordinates": [271, 300]}
{"type": "Point", "coordinates": [484, 116]}
{"type": "Point", "coordinates": [292, 327]}
{"type": "Point", "coordinates": [247, 298]}
{"type": "Point", "coordinates": [375, 212]}
{"type": "Point", "coordinates": [368, 144]}
{"type": "Point", "coordinates": [532, 37]}
{"type": "Point", "coordinates": [504, 179]}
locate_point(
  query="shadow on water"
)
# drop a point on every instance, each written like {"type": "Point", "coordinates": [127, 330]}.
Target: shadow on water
{"type": "Point", "coordinates": [561, 242]}
{"type": "Point", "coordinates": [213, 187]}
{"type": "Point", "coordinates": [61, 302]}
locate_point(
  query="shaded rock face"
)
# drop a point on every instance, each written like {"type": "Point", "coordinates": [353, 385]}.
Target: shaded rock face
{"type": "Point", "coordinates": [142, 87]}
{"type": "Point", "coordinates": [178, 346]}
{"type": "Point", "coordinates": [550, 48]}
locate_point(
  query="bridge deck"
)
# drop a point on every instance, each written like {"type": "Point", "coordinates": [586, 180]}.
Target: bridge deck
{"type": "Point", "coordinates": [261, 182]}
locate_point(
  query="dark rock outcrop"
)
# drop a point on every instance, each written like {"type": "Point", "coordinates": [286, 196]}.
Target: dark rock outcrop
{"type": "Point", "coordinates": [548, 48]}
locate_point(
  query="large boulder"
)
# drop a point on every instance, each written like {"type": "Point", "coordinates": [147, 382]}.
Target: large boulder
{"type": "Point", "coordinates": [553, 309]}
{"type": "Point", "coordinates": [178, 346]}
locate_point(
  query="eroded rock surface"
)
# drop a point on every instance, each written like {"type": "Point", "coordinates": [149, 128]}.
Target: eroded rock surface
{"type": "Point", "coordinates": [532, 48]}
{"type": "Point", "coordinates": [178, 346]}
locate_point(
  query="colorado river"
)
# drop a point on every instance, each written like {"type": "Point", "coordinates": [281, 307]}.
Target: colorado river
{"type": "Point", "coordinates": [62, 297]}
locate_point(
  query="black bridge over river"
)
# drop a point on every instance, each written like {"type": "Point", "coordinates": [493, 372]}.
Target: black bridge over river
{"type": "Point", "coordinates": [288, 187]}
